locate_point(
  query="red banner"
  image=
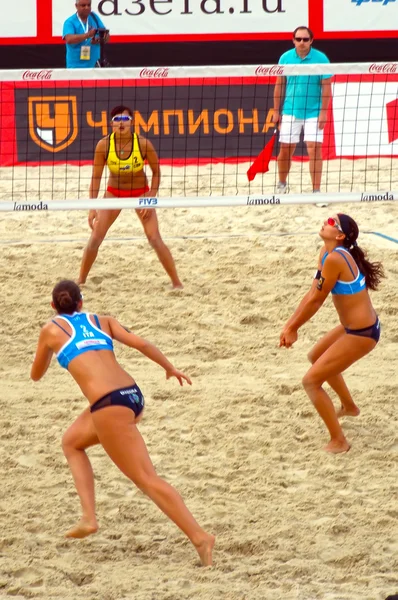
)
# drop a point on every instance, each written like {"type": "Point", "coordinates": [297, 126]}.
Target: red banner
{"type": "Point", "coordinates": [190, 121]}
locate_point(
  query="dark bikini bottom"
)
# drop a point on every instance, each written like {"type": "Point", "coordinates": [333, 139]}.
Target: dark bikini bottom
{"type": "Point", "coordinates": [372, 332]}
{"type": "Point", "coordinates": [131, 397]}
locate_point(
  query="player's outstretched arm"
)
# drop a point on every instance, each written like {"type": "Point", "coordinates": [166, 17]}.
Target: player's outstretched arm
{"type": "Point", "coordinates": [128, 338]}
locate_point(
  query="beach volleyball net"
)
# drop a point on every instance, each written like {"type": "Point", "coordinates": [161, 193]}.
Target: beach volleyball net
{"type": "Point", "coordinates": [209, 126]}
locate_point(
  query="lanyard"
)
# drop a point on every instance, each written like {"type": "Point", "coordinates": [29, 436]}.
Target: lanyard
{"type": "Point", "coordinates": [85, 27]}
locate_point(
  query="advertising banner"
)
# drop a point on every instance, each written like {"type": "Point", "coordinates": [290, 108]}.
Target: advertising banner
{"type": "Point", "coordinates": [186, 122]}
{"type": "Point", "coordinates": [360, 15]}
{"type": "Point", "coordinates": [198, 17]}
{"type": "Point", "coordinates": [41, 21]}
{"type": "Point", "coordinates": [189, 121]}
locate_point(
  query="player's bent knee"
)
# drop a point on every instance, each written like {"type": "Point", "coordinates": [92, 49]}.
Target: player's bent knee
{"type": "Point", "coordinates": [143, 482]}
{"type": "Point", "coordinates": [311, 357]}
{"type": "Point", "coordinates": [67, 444]}
{"type": "Point", "coordinates": [155, 241]}
{"type": "Point", "coordinates": [95, 242]}
{"type": "Point", "coordinates": [70, 443]}
{"type": "Point", "coordinates": [309, 381]}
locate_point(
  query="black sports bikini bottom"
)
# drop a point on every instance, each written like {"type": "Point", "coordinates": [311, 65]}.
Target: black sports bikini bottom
{"type": "Point", "coordinates": [372, 332]}
{"type": "Point", "coordinates": [131, 397]}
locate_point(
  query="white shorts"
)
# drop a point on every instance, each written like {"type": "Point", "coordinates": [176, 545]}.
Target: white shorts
{"type": "Point", "coordinates": [291, 127]}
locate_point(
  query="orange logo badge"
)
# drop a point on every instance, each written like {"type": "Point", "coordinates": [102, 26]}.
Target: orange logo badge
{"type": "Point", "coordinates": [53, 121]}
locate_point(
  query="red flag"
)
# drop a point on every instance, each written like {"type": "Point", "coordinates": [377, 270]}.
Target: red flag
{"type": "Point", "coordinates": [261, 163]}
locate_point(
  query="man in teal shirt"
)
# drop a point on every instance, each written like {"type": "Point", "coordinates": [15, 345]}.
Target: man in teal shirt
{"type": "Point", "coordinates": [305, 102]}
{"type": "Point", "coordinates": [79, 33]}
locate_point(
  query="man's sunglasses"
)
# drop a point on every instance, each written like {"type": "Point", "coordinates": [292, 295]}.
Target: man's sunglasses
{"type": "Point", "coordinates": [302, 39]}
{"type": "Point", "coordinates": [121, 118]}
{"type": "Point", "coordinates": [333, 223]}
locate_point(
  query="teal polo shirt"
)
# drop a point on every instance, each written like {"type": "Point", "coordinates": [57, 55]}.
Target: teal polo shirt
{"type": "Point", "coordinates": [74, 26]}
{"type": "Point", "coordinates": [303, 94]}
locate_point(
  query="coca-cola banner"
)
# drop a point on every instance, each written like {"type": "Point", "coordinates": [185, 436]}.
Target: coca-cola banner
{"type": "Point", "coordinates": [41, 21]}
{"type": "Point", "coordinates": [382, 68]}
{"type": "Point", "coordinates": [199, 74]}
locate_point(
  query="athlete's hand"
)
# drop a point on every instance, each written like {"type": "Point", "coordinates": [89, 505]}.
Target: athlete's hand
{"type": "Point", "coordinates": [92, 216]}
{"type": "Point", "coordinates": [288, 337]}
{"type": "Point", "coordinates": [143, 213]}
{"type": "Point", "coordinates": [178, 375]}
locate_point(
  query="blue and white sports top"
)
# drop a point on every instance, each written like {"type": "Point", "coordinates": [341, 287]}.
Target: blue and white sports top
{"type": "Point", "coordinates": [85, 336]}
{"type": "Point", "coordinates": [342, 288]}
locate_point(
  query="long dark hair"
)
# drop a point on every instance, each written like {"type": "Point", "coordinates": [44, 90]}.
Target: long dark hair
{"type": "Point", "coordinates": [373, 272]}
{"type": "Point", "coordinates": [66, 297]}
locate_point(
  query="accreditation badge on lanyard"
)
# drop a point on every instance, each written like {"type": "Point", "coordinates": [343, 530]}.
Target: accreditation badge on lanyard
{"type": "Point", "coordinates": [85, 50]}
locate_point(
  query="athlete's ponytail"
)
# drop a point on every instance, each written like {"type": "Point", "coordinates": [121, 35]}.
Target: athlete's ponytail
{"type": "Point", "coordinates": [66, 297]}
{"type": "Point", "coordinates": [373, 271]}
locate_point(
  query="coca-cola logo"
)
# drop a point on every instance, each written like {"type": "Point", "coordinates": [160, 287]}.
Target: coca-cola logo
{"type": "Point", "coordinates": [272, 70]}
{"type": "Point", "coordinates": [159, 73]}
{"type": "Point", "coordinates": [383, 68]}
{"type": "Point", "coordinates": [37, 75]}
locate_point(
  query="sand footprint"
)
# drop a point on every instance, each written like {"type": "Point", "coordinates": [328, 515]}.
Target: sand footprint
{"type": "Point", "coordinates": [97, 279]}
{"type": "Point", "coordinates": [81, 578]}
{"type": "Point", "coordinates": [29, 577]}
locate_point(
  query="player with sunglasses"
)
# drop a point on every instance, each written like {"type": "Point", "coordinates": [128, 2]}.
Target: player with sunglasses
{"type": "Point", "coordinates": [125, 154]}
{"type": "Point", "coordinates": [301, 103]}
{"type": "Point", "coordinates": [343, 270]}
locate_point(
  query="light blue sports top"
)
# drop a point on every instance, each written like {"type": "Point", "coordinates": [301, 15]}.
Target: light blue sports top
{"type": "Point", "coordinates": [342, 288]}
{"type": "Point", "coordinates": [85, 336]}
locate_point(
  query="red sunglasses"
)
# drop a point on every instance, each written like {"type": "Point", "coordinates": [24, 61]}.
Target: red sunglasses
{"type": "Point", "coordinates": [333, 223]}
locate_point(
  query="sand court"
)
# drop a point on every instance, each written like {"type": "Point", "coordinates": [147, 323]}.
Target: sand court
{"type": "Point", "coordinates": [243, 445]}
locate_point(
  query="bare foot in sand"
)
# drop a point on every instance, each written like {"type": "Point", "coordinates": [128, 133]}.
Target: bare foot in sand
{"type": "Point", "coordinates": [205, 550]}
{"type": "Point", "coordinates": [82, 529]}
{"type": "Point", "coordinates": [177, 286]}
{"type": "Point", "coordinates": [337, 446]}
{"type": "Point", "coordinates": [348, 412]}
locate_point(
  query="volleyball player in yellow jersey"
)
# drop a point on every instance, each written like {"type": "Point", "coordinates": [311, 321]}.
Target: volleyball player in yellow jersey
{"type": "Point", "coordinates": [125, 153]}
